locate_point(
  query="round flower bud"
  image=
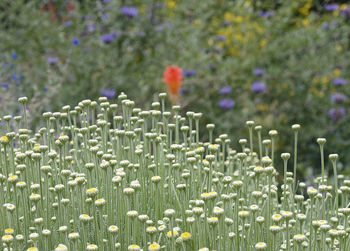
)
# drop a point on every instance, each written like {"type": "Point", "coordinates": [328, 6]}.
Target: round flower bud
{"type": "Point", "coordinates": [321, 141]}
{"type": "Point", "coordinates": [73, 236]}
{"type": "Point", "coordinates": [61, 247]}
{"type": "Point", "coordinates": [285, 156]}
{"type": "Point", "coordinates": [7, 238]}
{"type": "Point", "coordinates": [260, 245]}
{"type": "Point", "coordinates": [273, 133]}
{"type": "Point", "coordinates": [92, 247]}
{"type": "Point", "coordinates": [113, 229]}
{"type": "Point", "coordinates": [295, 127]}
{"type": "Point", "coordinates": [333, 157]}
{"type": "Point", "coordinates": [299, 238]}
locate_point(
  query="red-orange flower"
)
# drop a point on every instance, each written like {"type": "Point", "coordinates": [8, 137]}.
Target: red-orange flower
{"type": "Point", "coordinates": [172, 76]}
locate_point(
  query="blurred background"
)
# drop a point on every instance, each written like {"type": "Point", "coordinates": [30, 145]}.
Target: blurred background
{"type": "Point", "coordinates": [277, 62]}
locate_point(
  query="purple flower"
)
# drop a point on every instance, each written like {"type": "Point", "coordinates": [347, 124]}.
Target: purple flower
{"type": "Point", "coordinates": [258, 71]}
{"type": "Point", "coordinates": [108, 92]}
{"type": "Point", "coordinates": [225, 90]}
{"type": "Point", "coordinates": [227, 103]}
{"type": "Point", "coordinates": [337, 113]}
{"type": "Point", "coordinates": [162, 27]}
{"type": "Point", "coordinates": [331, 6]}
{"type": "Point", "coordinates": [108, 37]}
{"type": "Point", "coordinates": [46, 90]}
{"type": "Point", "coordinates": [259, 86]}
{"type": "Point", "coordinates": [5, 85]}
{"type": "Point", "coordinates": [68, 23]}
{"type": "Point", "coordinates": [325, 25]}
{"type": "Point", "coordinates": [187, 73]}
{"type": "Point", "coordinates": [265, 13]}
{"type": "Point", "coordinates": [220, 37]}
{"type": "Point", "coordinates": [339, 81]}
{"type": "Point", "coordinates": [346, 11]}
{"type": "Point", "coordinates": [14, 76]}
{"type": "Point", "coordinates": [105, 16]}
{"type": "Point", "coordinates": [91, 27]}
{"type": "Point", "coordinates": [52, 60]}
{"type": "Point", "coordinates": [338, 97]}
{"type": "Point", "coordinates": [129, 11]}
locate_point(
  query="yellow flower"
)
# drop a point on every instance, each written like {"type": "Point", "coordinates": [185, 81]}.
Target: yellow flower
{"type": "Point", "coordinates": [262, 107]}
{"type": "Point", "coordinates": [32, 249]}
{"type": "Point", "coordinates": [339, 48]}
{"type": "Point", "coordinates": [228, 16]}
{"type": "Point", "coordinates": [197, 22]}
{"type": "Point", "coordinates": [154, 247]}
{"type": "Point", "coordinates": [142, 9]}
{"type": "Point", "coordinates": [7, 238]}
{"type": "Point", "coordinates": [4, 139]}
{"type": "Point", "coordinates": [238, 37]}
{"type": "Point", "coordinates": [324, 80]}
{"type": "Point", "coordinates": [170, 3]}
{"type": "Point", "coordinates": [238, 19]}
{"type": "Point", "coordinates": [305, 9]}
{"type": "Point", "coordinates": [343, 6]}
{"type": "Point", "coordinates": [336, 72]}
{"type": "Point", "coordinates": [172, 233]}
{"type": "Point", "coordinates": [134, 247]}
{"type": "Point", "coordinates": [262, 42]}
{"type": "Point", "coordinates": [315, 80]}
{"type": "Point", "coordinates": [186, 236]}
{"type": "Point", "coordinates": [9, 231]}
{"type": "Point", "coordinates": [305, 22]}
{"type": "Point", "coordinates": [247, 4]}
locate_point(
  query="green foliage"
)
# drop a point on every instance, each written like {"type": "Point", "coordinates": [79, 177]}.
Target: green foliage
{"type": "Point", "coordinates": [301, 45]}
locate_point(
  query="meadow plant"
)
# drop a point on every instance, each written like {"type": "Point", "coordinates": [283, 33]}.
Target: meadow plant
{"type": "Point", "coordinates": [103, 176]}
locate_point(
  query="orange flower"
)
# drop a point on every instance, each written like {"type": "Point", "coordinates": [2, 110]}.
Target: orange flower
{"type": "Point", "coordinates": [172, 76]}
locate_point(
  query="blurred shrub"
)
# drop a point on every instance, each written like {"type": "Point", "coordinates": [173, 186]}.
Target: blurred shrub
{"type": "Point", "coordinates": [276, 62]}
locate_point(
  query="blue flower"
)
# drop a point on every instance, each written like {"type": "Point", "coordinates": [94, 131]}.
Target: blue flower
{"type": "Point", "coordinates": [258, 71]}
{"type": "Point", "coordinates": [187, 73]}
{"type": "Point", "coordinates": [259, 86]}
{"type": "Point", "coordinates": [14, 76]}
{"type": "Point", "coordinates": [14, 55]}
{"type": "Point", "coordinates": [338, 97]}
{"type": "Point", "coordinates": [225, 90]}
{"type": "Point", "coordinates": [5, 85]}
{"type": "Point", "coordinates": [227, 103]}
{"type": "Point", "coordinates": [75, 41]}
{"type": "Point", "coordinates": [108, 92]}
{"type": "Point", "coordinates": [129, 11]}
{"type": "Point", "coordinates": [339, 81]}
{"type": "Point", "coordinates": [46, 90]}
{"type": "Point", "coordinates": [337, 113]}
